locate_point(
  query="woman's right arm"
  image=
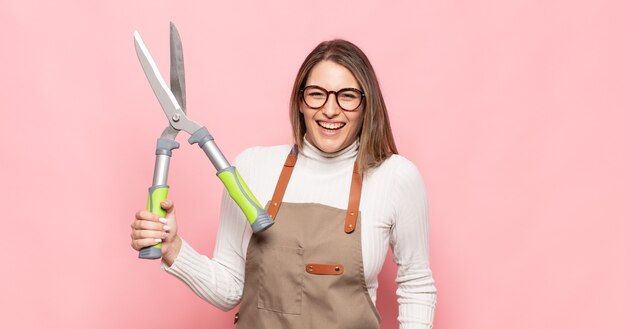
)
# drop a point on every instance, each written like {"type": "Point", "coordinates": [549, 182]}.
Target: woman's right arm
{"type": "Point", "coordinates": [218, 280]}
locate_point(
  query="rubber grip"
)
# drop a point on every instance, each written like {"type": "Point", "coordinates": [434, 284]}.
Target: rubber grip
{"type": "Point", "coordinates": [156, 194]}
{"type": "Point", "coordinates": [241, 194]}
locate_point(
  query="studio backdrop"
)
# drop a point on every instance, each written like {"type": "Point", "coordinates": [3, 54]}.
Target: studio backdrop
{"type": "Point", "coordinates": [513, 111]}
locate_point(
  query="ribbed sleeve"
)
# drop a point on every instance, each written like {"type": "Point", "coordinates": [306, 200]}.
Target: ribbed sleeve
{"type": "Point", "coordinates": [208, 278]}
{"type": "Point", "coordinates": [409, 240]}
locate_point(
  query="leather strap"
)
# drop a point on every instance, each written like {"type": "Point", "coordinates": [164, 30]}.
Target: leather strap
{"type": "Point", "coordinates": [283, 180]}
{"type": "Point", "coordinates": [324, 269]}
{"type": "Point", "coordinates": [353, 202]}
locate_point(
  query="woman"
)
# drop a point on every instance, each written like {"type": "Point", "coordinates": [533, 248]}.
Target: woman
{"type": "Point", "coordinates": [339, 197]}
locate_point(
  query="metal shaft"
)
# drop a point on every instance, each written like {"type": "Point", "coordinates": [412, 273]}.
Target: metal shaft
{"type": "Point", "coordinates": [161, 168]}
{"type": "Point", "coordinates": [215, 155]}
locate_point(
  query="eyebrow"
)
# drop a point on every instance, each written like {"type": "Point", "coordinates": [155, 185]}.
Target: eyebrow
{"type": "Point", "coordinates": [313, 84]}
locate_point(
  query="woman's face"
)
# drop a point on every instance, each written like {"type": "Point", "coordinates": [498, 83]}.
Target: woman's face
{"type": "Point", "coordinates": [330, 128]}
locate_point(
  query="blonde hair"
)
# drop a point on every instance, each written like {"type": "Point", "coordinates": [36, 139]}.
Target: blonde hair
{"type": "Point", "coordinates": [376, 139]}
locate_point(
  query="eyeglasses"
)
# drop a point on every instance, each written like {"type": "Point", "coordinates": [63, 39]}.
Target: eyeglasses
{"type": "Point", "coordinates": [348, 99]}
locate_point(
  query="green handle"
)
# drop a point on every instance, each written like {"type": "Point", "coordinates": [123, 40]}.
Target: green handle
{"type": "Point", "coordinates": [156, 194]}
{"type": "Point", "coordinates": [239, 191]}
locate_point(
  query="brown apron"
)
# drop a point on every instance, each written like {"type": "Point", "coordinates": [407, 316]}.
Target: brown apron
{"type": "Point", "coordinates": [306, 271]}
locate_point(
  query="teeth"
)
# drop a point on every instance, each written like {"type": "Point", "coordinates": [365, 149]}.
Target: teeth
{"type": "Point", "coordinates": [331, 125]}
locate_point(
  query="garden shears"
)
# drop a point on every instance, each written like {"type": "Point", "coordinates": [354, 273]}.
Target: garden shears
{"type": "Point", "coordinates": [173, 102]}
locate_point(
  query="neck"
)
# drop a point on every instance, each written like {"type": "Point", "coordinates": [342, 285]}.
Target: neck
{"type": "Point", "coordinates": [347, 154]}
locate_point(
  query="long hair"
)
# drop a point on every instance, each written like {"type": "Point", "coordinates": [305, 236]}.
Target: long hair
{"type": "Point", "coordinates": [376, 139]}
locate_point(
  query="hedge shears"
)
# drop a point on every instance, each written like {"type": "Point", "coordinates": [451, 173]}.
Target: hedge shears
{"type": "Point", "coordinates": [173, 102]}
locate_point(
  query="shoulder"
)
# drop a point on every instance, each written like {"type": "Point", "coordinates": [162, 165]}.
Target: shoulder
{"type": "Point", "coordinates": [263, 153]}
{"type": "Point", "coordinates": [408, 196]}
{"type": "Point", "coordinates": [399, 170]}
{"type": "Point", "coordinates": [261, 166]}
{"type": "Point", "coordinates": [399, 184]}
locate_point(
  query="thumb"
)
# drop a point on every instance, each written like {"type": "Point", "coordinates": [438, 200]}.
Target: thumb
{"type": "Point", "coordinates": [168, 206]}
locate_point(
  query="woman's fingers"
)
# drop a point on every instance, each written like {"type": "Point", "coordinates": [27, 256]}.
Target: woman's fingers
{"type": "Point", "coordinates": [142, 243]}
{"type": "Point", "coordinates": [142, 234]}
{"type": "Point", "coordinates": [149, 229]}
{"type": "Point", "coordinates": [148, 225]}
{"type": "Point", "coordinates": [147, 233]}
{"type": "Point", "coordinates": [146, 215]}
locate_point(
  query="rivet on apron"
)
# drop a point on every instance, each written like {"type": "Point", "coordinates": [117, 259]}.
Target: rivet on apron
{"type": "Point", "coordinates": [336, 268]}
{"type": "Point", "coordinates": [275, 204]}
{"type": "Point", "coordinates": [352, 214]}
{"type": "Point", "coordinates": [350, 225]}
{"type": "Point", "coordinates": [310, 268]}
{"type": "Point", "coordinates": [236, 317]}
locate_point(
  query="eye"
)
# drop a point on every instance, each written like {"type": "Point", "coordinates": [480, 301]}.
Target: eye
{"type": "Point", "coordinates": [349, 95]}
{"type": "Point", "coordinates": [315, 93]}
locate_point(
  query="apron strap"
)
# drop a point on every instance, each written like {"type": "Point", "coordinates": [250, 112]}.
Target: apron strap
{"type": "Point", "coordinates": [283, 180]}
{"type": "Point", "coordinates": [353, 202]}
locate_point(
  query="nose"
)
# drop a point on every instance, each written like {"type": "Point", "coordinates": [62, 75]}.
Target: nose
{"type": "Point", "coordinates": [331, 109]}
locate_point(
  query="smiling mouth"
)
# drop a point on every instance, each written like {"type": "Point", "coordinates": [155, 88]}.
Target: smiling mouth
{"type": "Point", "coordinates": [331, 125]}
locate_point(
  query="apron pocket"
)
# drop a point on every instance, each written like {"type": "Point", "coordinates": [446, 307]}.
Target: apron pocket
{"type": "Point", "coordinates": [280, 280]}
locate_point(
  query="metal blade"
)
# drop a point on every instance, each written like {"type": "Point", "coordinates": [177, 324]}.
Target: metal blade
{"type": "Point", "coordinates": [177, 67]}
{"type": "Point", "coordinates": [177, 118]}
{"type": "Point", "coordinates": [169, 133]}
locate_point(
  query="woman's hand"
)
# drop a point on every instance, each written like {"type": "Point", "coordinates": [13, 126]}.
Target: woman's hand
{"type": "Point", "coordinates": [149, 229]}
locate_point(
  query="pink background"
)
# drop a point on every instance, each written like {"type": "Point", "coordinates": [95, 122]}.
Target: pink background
{"type": "Point", "coordinates": [514, 111]}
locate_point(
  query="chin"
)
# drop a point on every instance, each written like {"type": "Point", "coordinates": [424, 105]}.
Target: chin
{"type": "Point", "coordinates": [329, 146]}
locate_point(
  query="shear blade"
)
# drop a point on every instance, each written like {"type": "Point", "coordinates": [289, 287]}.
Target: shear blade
{"type": "Point", "coordinates": [177, 68]}
{"type": "Point", "coordinates": [175, 115]}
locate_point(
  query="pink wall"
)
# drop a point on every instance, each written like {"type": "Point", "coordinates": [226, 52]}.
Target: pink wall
{"type": "Point", "coordinates": [514, 111]}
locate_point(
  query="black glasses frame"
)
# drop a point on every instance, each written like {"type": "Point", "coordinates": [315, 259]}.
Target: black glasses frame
{"type": "Point", "coordinates": [328, 92]}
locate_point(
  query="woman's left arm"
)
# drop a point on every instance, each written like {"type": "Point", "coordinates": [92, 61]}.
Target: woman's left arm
{"type": "Point", "coordinates": [409, 240]}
